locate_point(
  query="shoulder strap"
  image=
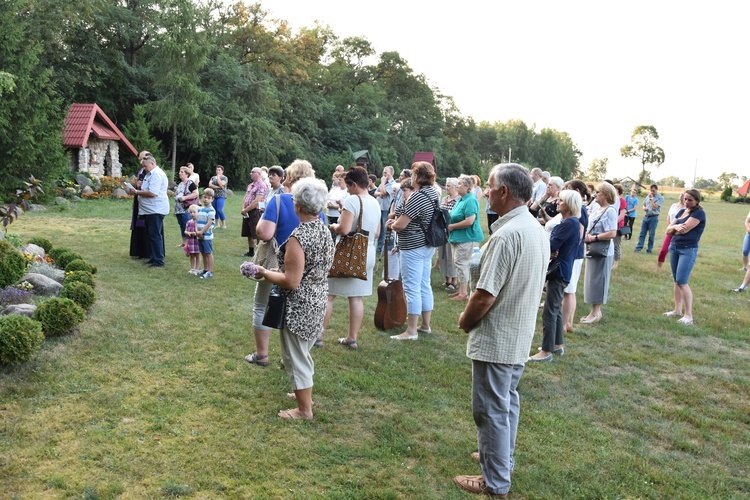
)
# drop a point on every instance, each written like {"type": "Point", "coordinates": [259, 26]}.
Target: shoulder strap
{"type": "Point", "coordinates": [359, 219]}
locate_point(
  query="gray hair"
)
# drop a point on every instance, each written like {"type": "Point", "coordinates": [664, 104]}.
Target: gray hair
{"type": "Point", "coordinates": [516, 177]}
{"type": "Point", "coordinates": [466, 179]}
{"type": "Point", "coordinates": [310, 195]}
{"type": "Point", "coordinates": [546, 174]}
{"type": "Point", "coordinates": [388, 168]}
{"type": "Point", "coordinates": [557, 181]}
{"type": "Point", "coordinates": [451, 181]}
{"type": "Point", "coordinates": [572, 200]}
{"type": "Point", "coordinates": [536, 171]}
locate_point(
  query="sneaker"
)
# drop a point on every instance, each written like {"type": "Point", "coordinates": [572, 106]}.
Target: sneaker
{"type": "Point", "coordinates": [476, 485]}
{"type": "Point", "coordinates": [201, 273]}
{"type": "Point", "coordinates": [207, 275]}
{"type": "Point", "coordinates": [739, 290]}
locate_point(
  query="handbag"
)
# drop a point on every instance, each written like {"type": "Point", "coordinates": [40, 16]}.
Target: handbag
{"type": "Point", "coordinates": [276, 309]}
{"type": "Point", "coordinates": [624, 230]}
{"type": "Point", "coordinates": [265, 254]}
{"type": "Point", "coordinates": [186, 204]}
{"type": "Point", "coordinates": [350, 257]}
{"type": "Point", "coordinates": [597, 249]}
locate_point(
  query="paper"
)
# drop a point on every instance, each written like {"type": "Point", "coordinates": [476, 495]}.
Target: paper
{"type": "Point", "coordinates": [129, 186]}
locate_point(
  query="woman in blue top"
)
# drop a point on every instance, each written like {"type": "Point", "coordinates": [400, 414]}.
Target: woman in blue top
{"type": "Point", "coordinates": [631, 206]}
{"type": "Point", "coordinates": [686, 229]}
{"type": "Point", "coordinates": [564, 242]}
{"type": "Point", "coordinates": [465, 231]}
{"type": "Point", "coordinates": [569, 299]}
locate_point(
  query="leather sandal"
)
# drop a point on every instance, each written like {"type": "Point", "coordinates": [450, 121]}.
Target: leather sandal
{"type": "Point", "coordinates": [254, 359]}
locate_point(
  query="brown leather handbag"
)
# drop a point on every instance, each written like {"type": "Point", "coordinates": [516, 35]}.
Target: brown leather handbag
{"type": "Point", "coordinates": [350, 257]}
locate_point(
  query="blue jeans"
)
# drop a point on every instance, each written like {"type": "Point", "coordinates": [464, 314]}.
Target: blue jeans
{"type": "Point", "coordinates": [154, 233]}
{"type": "Point", "coordinates": [182, 220]}
{"type": "Point", "coordinates": [496, 407]}
{"type": "Point", "coordinates": [381, 236]}
{"type": "Point", "coordinates": [218, 205]}
{"type": "Point", "coordinates": [415, 275]}
{"type": "Point", "coordinates": [746, 245]}
{"type": "Point", "coordinates": [647, 226]}
{"type": "Point", "coordinates": [682, 261]}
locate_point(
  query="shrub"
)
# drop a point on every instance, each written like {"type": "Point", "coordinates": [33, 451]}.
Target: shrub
{"type": "Point", "coordinates": [20, 338]}
{"type": "Point", "coordinates": [80, 293]}
{"type": "Point", "coordinates": [66, 258]}
{"type": "Point", "coordinates": [55, 252]}
{"type": "Point", "coordinates": [47, 270]}
{"type": "Point", "coordinates": [59, 316]}
{"type": "Point", "coordinates": [80, 277]}
{"type": "Point", "coordinates": [42, 242]}
{"type": "Point", "coordinates": [726, 195]}
{"type": "Point", "coordinates": [13, 295]}
{"type": "Point", "coordinates": [80, 265]}
{"type": "Point", "coordinates": [12, 264]}
{"type": "Point", "coordinates": [14, 240]}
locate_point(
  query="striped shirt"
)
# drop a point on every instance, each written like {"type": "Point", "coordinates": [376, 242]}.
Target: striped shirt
{"type": "Point", "coordinates": [419, 208]}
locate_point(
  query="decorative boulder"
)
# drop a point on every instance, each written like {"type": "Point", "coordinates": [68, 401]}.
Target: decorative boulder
{"type": "Point", "coordinates": [119, 193]}
{"type": "Point", "coordinates": [33, 249]}
{"type": "Point", "coordinates": [61, 201]}
{"type": "Point", "coordinates": [44, 286]}
{"type": "Point", "coordinates": [36, 208]}
{"type": "Point", "coordinates": [87, 190]}
{"type": "Point", "coordinates": [82, 181]}
{"type": "Point", "coordinates": [22, 309]}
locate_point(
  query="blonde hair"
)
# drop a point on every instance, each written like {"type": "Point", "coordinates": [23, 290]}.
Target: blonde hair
{"type": "Point", "coordinates": [208, 191]}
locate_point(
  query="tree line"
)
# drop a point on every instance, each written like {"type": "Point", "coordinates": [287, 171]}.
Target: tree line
{"type": "Point", "coordinates": [210, 83]}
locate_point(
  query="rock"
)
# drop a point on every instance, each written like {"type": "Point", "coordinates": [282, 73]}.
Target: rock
{"type": "Point", "coordinates": [230, 193]}
{"type": "Point", "coordinates": [36, 208]}
{"type": "Point", "coordinates": [22, 309]}
{"type": "Point", "coordinates": [61, 201]}
{"type": "Point", "coordinates": [43, 286]}
{"type": "Point", "coordinates": [87, 190]}
{"type": "Point", "coordinates": [82, 180]}
{"type": "Point", "coordinates": [119, 193]}
{"type": "Point", "coordinates": [33, 249]}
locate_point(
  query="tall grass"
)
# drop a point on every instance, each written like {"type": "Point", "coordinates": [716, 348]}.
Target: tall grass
{"type": "Point", "coordinates": [151, 396]}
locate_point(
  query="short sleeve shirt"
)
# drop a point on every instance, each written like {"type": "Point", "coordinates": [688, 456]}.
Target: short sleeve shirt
{"type": "Point", "coordinates": [419, 208]}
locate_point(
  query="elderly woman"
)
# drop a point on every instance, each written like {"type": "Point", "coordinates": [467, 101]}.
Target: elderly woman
{"type": "Point", "coordinates": [545, 208]}
{"type": "Point", "coordinates": [277, 225]}
{"type": "Point", "coordinates": [336, 197]}
{"type": "Point", "coordinates": [185, 194]}
{"type": "Point", "coordinates": [358, 202]}
{"type": "Point", "coordinates": [465, 233]}
{"type": "Point", "coordinates": [686, 231]}
{"type": "Point", "coordinates": [570, 303]}
{"type": "Point", "coordinates": [219, 184]}
{"type": "Point", "coordinates": [416, 255]}
{"type": "Point", "coordinates": [564, 242]}
{"type": "Point", "coordinates": [444, 253]}
{"type": "Point", "coordinates": [304, 261]}
{"type": "Point", "coordinates": [602, 227]}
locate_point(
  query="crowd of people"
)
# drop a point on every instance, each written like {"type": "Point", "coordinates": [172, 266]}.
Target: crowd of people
{"type": "Point", "coordinates": [543, 232]}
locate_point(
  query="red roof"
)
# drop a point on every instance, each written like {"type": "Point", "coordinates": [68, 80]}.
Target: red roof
{"type": "Point", "coordinates": [86, 119]}
{"type": "Point", "coordinates": [427, 156]}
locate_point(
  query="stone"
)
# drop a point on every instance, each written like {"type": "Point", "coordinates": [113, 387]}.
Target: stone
{"type": "Point", "coordinates": [119, 193]}
{"type": "Point", "coordinates": [36, 208]}
{"type": "Point", "coordinates": [33, 249]}
{"type": "Point", "coordinates": [22, 309]}
{"type": "Point", "coordinates": [82, 180]}
{"type": "Point", "coordinates": [59, 200]}
{"type": "Point", "coordinates": [43, 286]}
{"type": "Point", "coordinates": [230, 193]}
{"type": "Point", "coordinates": [87, 190]}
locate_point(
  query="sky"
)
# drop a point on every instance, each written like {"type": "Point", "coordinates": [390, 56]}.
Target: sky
{"type": "Point", "coordinates": [593, 69]}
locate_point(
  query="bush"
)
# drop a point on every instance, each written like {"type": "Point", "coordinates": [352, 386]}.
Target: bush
{"type": "Point", "coordinates": [726, 195]}
{"type": "Point", "coordinates": [80, 277]}
{"type": "Point", "coordinates": [42, 242]}
{"type": "Point", "coordinates": [14, 240]}
{"type": "Point", "coordinates": [66, 258]}
{"type": "Point", "coordinates": [59, 316]}
{"type": "Point", "coordinates": [80, 265]}
{"type": "Point", "coordinates": [20, 338]}
{"type": "Point", "coordinates": [12, 264]}
{"type": "Point", "coordinates": [55, 252]}
{"type": "Point", "coordinates": [80, 293]}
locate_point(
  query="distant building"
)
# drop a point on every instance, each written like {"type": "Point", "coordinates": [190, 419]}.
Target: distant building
{"type": "Point", "coordinates": [94, 141]}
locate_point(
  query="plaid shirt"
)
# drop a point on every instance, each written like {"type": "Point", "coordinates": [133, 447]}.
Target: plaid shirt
{"type": "Point", "coordinates": [255, 191]}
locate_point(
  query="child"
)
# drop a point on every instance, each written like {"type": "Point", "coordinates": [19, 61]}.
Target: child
{"type": "Point", "coordinates": [192, 249]}
{"type": "Point", "coordinates": [204, 226]}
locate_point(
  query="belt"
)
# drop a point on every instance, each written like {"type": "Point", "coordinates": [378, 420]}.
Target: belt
{"type": "Point", "coordinates": [652, 215]}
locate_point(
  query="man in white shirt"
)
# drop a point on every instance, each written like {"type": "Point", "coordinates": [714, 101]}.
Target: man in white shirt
{"type": "Point", "coordinates": [153, 205]}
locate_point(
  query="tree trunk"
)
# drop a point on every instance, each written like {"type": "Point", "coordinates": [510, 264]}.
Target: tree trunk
{"type": "Point", "coordinates": [174, 148]}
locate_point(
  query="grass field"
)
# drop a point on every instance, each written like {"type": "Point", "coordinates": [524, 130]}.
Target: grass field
{"type": "Point", "coordinates": [151, 396]}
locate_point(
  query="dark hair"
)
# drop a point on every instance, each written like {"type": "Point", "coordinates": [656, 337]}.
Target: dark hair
{"type": "Point", "coordinates": [276, 170]}
{"type": "Point", "coordinates": [654, 186]}
{"type": "Point", "coordinates": [618, 187]}
{"type": "Point", "coordinates": [697, 195]}
{"type": "Point", "coordinates": [221, 167]}
{"type": "Point", "coordinates": [372, 177]}
{"type": "Point", "coordinates": [358, 176]}
{"type": "Point", "coordinates": [406, 183]}
{"type": "Point", "coordinates": [580, 186]}
{"type": "Point", "coordinates": [424, 172]}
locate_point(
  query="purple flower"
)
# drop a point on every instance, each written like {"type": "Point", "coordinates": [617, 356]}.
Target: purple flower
{"type": "Point", "coordinates": [248, 269]}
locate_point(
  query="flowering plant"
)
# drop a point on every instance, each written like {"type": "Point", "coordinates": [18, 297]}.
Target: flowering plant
{"type": "Point", "coordinates": [15, 295]}
{"type": "Point", "coordinates": [248, 269]}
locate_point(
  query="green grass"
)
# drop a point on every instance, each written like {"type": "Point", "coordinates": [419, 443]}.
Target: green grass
{"type": "Point", "coordinates": [151, 396]}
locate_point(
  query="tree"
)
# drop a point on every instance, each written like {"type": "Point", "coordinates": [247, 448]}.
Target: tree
{"type": "Point", "coordinates": [138, 132]}
{"type": "Point", "coordinates": [671, 181]}
{"type": "Point", "coordinates": [701, 183]}
{"type": "Point", "coordinates": [643, 146]}
{"type": "Point", "coordinates": [597, 170]}
{"type": "Point", "coordinates": [726, 180]}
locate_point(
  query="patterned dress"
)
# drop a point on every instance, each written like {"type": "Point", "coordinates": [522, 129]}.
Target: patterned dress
{"type": "Point", "coordinates": [306, 305]}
